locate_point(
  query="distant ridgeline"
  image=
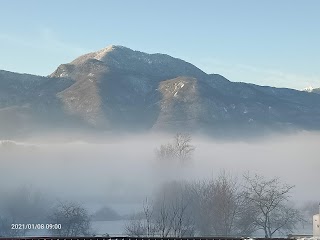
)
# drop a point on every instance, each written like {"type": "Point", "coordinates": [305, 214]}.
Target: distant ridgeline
{"type": "Point", "coordinates": [117, 89]}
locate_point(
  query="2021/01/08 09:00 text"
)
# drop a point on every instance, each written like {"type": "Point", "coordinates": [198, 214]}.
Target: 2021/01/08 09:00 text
{"type": "Point", "coordinates": [33, 226]}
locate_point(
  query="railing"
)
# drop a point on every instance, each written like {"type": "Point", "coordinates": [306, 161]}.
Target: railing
{"type": "Point", "coordinates": [136, 238]}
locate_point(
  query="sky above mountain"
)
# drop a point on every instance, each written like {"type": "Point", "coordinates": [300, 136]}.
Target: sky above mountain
{"type": "Point", "coordinates": [263, 42]}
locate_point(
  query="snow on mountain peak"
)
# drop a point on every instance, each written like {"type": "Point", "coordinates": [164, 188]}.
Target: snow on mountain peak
{"type": "Point", "coordinates": [99, 55]}
{"type": "Point", "coordinates": [102, 53]}
{"type": "Point", "coordinates": [308, 89]}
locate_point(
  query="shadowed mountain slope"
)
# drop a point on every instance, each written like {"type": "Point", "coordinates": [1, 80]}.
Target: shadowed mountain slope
{"type": "Point", "coordinates": [118, 89]}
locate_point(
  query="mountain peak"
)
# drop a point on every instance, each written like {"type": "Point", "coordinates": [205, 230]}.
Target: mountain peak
{"type": "Point", "coordinates": [116, 47]}
{"type": "Point", "coordinates": [113, 48]}
{"type": "Point", "coordinates": [308, 89]}
{"type": "Point", "coordinates": [311, 89]}
{"type": "Point", "coordinates": [99, 55]}
{"type": "Point", "coordinates": [120, 58]}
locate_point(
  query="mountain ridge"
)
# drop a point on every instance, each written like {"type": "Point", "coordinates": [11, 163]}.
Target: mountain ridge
{"type": "Point", "coordinates": [119, 89]}
{"type": "Point", "coordinates": [312, 90]}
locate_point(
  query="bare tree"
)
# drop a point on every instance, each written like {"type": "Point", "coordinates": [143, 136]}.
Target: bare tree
{"type": "Point", "coordinates": [163, 217]}
{"type": "Point", "coordinates": [142, 224]}
{"type": "Point", "coordinates": [135, 227]}
{"type": "Point", "coordinates": [201, 198]}
{"type": "Point", "coordinates": [245, 222]}
{"type": "Point", "coordinates": [172, 211]}
{"type": "Point", "coordinates": [270, 199]}
{"type": "Point", "coordinates": [6, 229]}
{"type": "Point", "coordinates": [183, 146]}
{"type": "Point", "coordinates": [166, 153]}
{"type": "Point", "coordinates": [24, 205]}
{"type": "Point", "coordinates": [74, 219]}
{"type": "Point", "coordinates": [226, 204]}
{"type": "Point", "coordinates": [148, 214]}
{"type": "Point", "coordinates": [221, 208]}
{"type": "Point", "coordinates": [169, 215]}
{"type": "Point", "coordinates": [180, 149]}
{"type": "Point", "coordinates": [183, 224]}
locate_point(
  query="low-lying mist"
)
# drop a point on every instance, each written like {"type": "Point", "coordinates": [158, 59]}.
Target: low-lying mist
{"type": "Point", "coordinates": [126, 171]}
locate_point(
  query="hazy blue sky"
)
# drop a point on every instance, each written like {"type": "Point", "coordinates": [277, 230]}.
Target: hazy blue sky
{"type": "Point", "coordinates": [270, 42]}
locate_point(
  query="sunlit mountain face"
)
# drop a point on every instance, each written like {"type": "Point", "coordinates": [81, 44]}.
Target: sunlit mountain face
{"type": "Point", "coordinates": [117, 89]}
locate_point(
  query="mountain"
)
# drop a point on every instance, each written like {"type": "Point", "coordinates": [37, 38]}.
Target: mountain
{"type": "Point", "coordinates": [311, 90]}
{"type": "Point", "coordinates": [117, 89]}
{"type": "Point", "coordinates": [29, 103]}
{"type": "Point", "coordinates": [316, 90]}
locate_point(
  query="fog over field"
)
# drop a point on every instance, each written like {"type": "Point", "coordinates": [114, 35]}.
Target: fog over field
{"type": "Point", "coordinates": [126, 171]}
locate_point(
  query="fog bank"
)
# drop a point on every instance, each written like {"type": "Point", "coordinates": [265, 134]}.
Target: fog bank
{"type": "Point", "coordinates": [126, 171]}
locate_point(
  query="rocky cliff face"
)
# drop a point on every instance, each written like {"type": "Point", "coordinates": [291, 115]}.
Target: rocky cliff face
{"type": "Point", "coordinates": [118, 89]}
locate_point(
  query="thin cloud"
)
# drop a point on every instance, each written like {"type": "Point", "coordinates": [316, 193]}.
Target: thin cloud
{"type": "Point", "coordinates": [278, 77]}
{"type": "Point", "coordinates": [46, 40]}
{"type": "Point", "coordinates": [17, 40]}
{"type": "Point", "coordinates": [51, 39]}
{"type": "Point", "coordinates": [252, 74]}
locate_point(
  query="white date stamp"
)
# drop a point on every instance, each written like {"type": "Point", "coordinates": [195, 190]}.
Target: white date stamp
{"type": "Point", "coordinates": [36, 226]}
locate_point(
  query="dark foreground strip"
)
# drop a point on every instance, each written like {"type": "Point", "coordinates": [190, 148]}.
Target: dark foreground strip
{"type": "Point", "coordinates": [135, 238]}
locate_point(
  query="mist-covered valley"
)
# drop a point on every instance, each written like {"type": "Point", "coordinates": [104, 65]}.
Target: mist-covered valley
{"type": "Point", "coordinates": [121, 174]}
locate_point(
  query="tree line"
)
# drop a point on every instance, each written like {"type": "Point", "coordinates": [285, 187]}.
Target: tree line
{"type": "Point", "coordinates": [218, 207]}
{"type": "Point", "coordinates": [223, 206]}
{"type": "Point", "coordinates": [29, 206]}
